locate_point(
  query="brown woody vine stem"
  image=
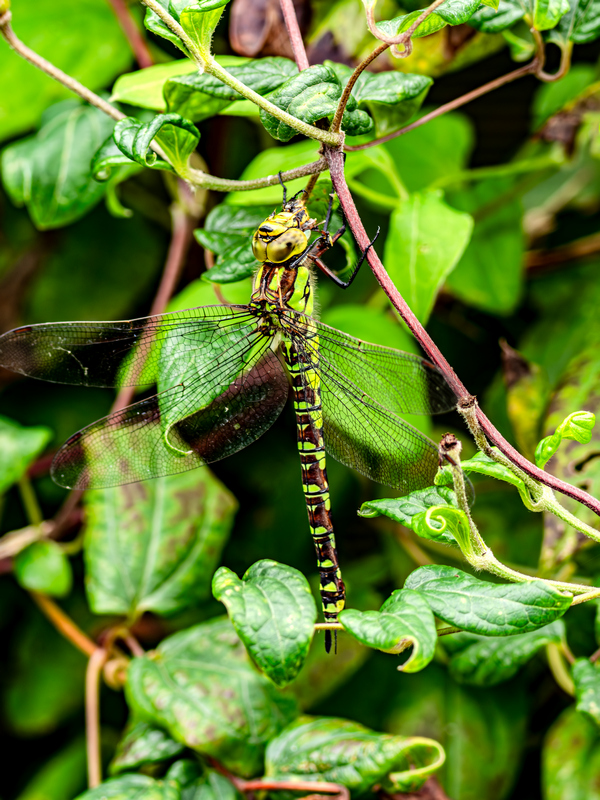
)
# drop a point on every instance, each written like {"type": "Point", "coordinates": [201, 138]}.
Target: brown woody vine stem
{"type": "Point", "coordinates": [132, 34]}
{"type": "Point", "coordinates": [565, 59]}
{"type": "Point", "coordinates": [316, 788]}
{"type": "Point", "coordinates": [64, 624]}
{"type": "Point", "coordinates": [92, 715]}
{"type": "Point", "coordinates": [339, 112]}
{"type": "Point", "coordinates": [467, 403]}
{"type": "Point", "coordinates": [293, 29]}
{"type": "Point", "coordinates": [404, 38]}
{"type": "Point", "coordinates": [528, 69]}
{"type": "Point", "coordinates": [41, 63]}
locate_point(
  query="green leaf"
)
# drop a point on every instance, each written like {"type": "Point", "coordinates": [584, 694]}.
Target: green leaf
{"type": "Point", "coordinates": [153, 546]}
{"type": "Point", "coordinates": [547, 13]}
{"type": "Point", "coordinates": [586, 677]}
{"type": "Point", "coordinates": [391, 98]}
{"type": "Point", "coordinates": [403, 509]}
{"type": "Point", "coordinates": [43, 567]}
{"type": "Point", "coordinates": [489, 272]}
{"type": "Point", "coordinates": [311, 96]}
{"type": "Point", "coordinates": [404, 620]}
{"type": "Point", "coordinates": [155, 24]}
{"type": "Point", "coordinates": [201, 95]}
{"type": "Point", "coordinates": [84, 39]}
{"type": "Point", "coordinates": [50, 172]}
{"type": "Point", "coordinates": [262, 75]}
{"type": "Point", "coordinates": [580, 25]}
{"type": "Point", "coordinates": [571, 758]}
{"type": "Point", "coordinates": [408, 510]}
{"type": "Point", "coordinates": [19, 447]}
{"type": "Point", "coordinates": [452, 12]}
{"type": "Point", "coordinates": [144, 87]}
{"type": "Point", "coordinates": [487, 20]}
{"type": "Point", "coordinates": [425, 241]}
{"type": "Point", "coordinates": [273, 612]}
{"type": "Point", "coordinates": [199, 20]}
{"type": "Point", "coordinates": [134, 787]}
{"type": "Point", "coordinates": [491, 723]}
{"type": "Point", "coordinates": [489, 609]}
{"type": "Point", "coordinates": [213, 786]}
{"type": "Point", "coordinates": [177, 136]}
{"type": "Point", "coordinates": [200, 686]}
{"type": "Point", "coordinates": [488, 662]}
{"type": "Point", "coordinates": [433, 151]}
{"type": "Point", "coordinates": [143, 744]}
{"type": "Point", "coordinates": [341, 751]}
{"type": "Point", "coordinates": [578, 426]}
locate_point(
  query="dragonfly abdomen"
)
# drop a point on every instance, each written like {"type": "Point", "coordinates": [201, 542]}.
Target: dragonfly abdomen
{"type": "Point", "coordinates": [303, 369]}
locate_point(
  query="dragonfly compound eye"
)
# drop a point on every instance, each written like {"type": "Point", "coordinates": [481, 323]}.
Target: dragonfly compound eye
{"type": "Point", "coordinates": [259, 247]}
{"type": "Point", "coordinates": [290, 243]}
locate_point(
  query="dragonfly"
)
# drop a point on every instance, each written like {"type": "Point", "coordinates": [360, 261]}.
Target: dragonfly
{"type": "Point", "coordinates": [223, 374]}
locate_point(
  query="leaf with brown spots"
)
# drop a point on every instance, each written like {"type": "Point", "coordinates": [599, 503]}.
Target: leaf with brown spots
{"type": "Point", "coordinates": [201, 687]}
{"type": "Point", "coordinates": [153, 546]}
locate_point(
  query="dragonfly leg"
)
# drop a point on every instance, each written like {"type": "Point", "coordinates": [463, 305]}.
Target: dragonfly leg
{"type": "Point", "coordinates": [283, 186]}
{"type": "Point", "coordinates": [332, 274]}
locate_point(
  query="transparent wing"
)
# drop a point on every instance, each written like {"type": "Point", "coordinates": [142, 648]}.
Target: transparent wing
{"type": "Point", "coordinates": [362, 393]}
{"type": "Point", "coordinates": [399, 381]}
{"type": "Point", "coordinates": [119, 354]}
{"type": "Point", "coordinates": [237, 397]}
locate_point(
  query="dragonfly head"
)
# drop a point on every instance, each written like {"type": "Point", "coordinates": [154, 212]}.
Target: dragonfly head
{"type": "Point", "coordinates": [283, 235]}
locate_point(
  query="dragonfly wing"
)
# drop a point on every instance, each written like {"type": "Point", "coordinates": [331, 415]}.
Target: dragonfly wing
{"type": "Point", "coordinates": [236, 398]}
{"type": "Point", "coordinates": [401, 382]}
{"type": "Point", "coordinates": [125, 353]}
{"type": "Point", "coordinates": [361, 433]}
{"type": "Point", "coordinates": [373, 440]}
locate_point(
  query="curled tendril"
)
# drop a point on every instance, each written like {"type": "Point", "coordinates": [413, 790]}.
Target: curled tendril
{"type": "Point", "coordinates": [433, 515]}
{"type": "Point", "coordinates": [377, 33]}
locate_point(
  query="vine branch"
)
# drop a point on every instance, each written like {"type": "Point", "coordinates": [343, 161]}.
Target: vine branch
{"type": "Point", "coordinates": [64, 624]}
{"type": "Point", "coordinates": [132, 34]}
{"type": "Point", "coordinates": [293, 29]}
{"type": "Point", "coordinates": [565, 59]}
{"type": "Point", "coordinates": [528, 69]}
{"type": "Point", "coordinates": [316, 788]}
{"type": "Point", "coordinates": [404, 38]}
{"type": "Point", "coordinates": [54, 72]}
{"type": "Point", "coordinates": [92, 715]}
{"type": "Point", "coordinates": [339, 112]}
